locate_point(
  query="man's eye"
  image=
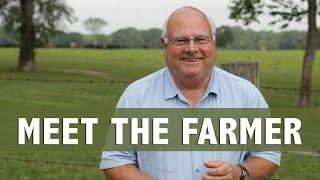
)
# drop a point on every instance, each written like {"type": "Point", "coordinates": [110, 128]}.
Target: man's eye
{"type": "Point", "coordinates": [180, 41]}
{"type": "Point", "coordinates": [202, 40]}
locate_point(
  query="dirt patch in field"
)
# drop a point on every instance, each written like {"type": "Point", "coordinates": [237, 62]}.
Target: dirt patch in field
{"type": "Point", "coordinates": [306, 153]}
{"type": "Point", "coordinates": [76, 71]}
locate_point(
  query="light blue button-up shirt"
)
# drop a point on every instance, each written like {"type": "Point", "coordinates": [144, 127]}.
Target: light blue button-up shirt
{"type": "Point", "coordinates": [159, 90]}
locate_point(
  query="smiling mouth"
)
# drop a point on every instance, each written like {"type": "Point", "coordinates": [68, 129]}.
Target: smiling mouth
{"type": "Point", "coordinates": [191, 59]}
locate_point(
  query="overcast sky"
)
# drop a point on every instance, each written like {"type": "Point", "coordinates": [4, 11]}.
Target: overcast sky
{"type": "Point", "coordinates": [145, 14]}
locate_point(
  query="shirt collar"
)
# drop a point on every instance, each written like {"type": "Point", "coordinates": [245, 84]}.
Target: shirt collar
{"type": "Point", "coordinates": [213, 85]}
{"type": "Point", "coordinates": [171, 89]}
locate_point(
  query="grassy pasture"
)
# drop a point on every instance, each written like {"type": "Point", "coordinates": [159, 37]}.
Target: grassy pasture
{"type": "Point", "coordinates": [277, 69]}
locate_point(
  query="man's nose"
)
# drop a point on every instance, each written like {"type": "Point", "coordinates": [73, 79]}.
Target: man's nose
{"type": "Point", "coordinates": [191, 46]}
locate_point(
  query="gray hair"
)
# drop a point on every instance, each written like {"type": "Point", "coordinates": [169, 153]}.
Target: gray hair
{"type": "Point", "coordinates": [212, 25]}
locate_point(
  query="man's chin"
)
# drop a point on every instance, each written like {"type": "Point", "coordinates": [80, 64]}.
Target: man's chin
{"type": "Point", "coordinates": [191, 74]}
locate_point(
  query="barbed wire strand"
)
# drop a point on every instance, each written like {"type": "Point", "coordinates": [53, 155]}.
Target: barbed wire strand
{"type": "Point", "coordinates": [64, 80]}
{"type": "Point", "coordinates": [128, 82]}
{"type": "Point", "coordinates": [49, 162]}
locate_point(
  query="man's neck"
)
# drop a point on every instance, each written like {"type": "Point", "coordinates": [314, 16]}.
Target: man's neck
{"type": "Point", "coordinates": [193, 88]}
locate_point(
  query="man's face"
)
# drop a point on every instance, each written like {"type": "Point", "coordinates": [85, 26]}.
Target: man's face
{"type": "Point", "coordinates": [191, 60]}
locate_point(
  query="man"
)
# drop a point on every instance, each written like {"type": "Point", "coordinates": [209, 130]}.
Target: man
{"type": "Point", "coordinates": [190, 81]}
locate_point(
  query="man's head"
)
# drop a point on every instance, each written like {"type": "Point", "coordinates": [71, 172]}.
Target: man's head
{"type": "Point", "coordinates": [188, 39]}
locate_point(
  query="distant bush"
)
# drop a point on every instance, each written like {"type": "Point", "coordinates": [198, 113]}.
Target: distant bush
{"type": "Point", "coordinates": [151, 38]}
{"type": "Point", "coordinates": [227, 37]}
{"type": "Point", "coordinates": [67, 39]}
{"type": "Point", "coordinates": [97, 41]}
{"type": "Point", "coordinates": [127, 38]}
{"type": "Point", "coordinates": [7, 39]}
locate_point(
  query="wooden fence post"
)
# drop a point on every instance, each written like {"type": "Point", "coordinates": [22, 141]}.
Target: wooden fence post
{"type": "Point", "coordinates": [246, 70]}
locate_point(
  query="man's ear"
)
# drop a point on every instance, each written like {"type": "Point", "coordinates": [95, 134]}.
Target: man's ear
{"type": "Point", "coordinates": [163, 43]}
{"type": "Point", "coordinates": [214, 39]}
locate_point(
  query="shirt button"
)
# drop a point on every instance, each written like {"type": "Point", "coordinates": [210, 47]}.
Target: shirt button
{"type": "Point", "coordinates": [197, 170]}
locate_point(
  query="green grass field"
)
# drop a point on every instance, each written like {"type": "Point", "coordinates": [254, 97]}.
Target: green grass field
{"type": "Point", "coordinates": [117, 67]}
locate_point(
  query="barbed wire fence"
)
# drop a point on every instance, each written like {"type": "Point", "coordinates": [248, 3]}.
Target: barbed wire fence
{"type": "Point", "coordinates": [48, 162]}
{"type": "Point", "coordinates": [127, 82]}
{"type": "Point", "coordinates": [92, 82]}
{"type": "Point", "coordinates": [6, 158]}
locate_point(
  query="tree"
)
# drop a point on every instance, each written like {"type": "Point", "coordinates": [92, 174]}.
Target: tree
{"type": "Point", "coordinates": [66, 39]}
{"type": "Point", "coordinates": [127, 38]}
{"type": "Point", "coordinates": [224, 36]}
{"type": "Point", "coordinates": [243, 39]}
{"type": "Point", "coordinates": [33, 20]}
{"type": "Point", "coordinates": [286, 11]}
{"type": "Point", "coordinates": [94, 25]}
{"type": "Point", "coordinates": [292, 40]}
{"type": "Point", "coordinates": [151, 38]}
{"type": "Point", "coordinates": [7, 39]}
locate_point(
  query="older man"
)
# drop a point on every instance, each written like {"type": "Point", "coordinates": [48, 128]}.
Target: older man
{"type": "Point", "coordinates": [190, 81]}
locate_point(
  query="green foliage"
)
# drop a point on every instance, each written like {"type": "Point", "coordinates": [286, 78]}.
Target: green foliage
{"type": "Point", "coordinates": [101, 40]}
{"type": "Point", "coordinates": [127, 38]}
{"type": "Point", "coordinates": [227, 37]}
{"type": "Point", "coordinates": [284, 11]}
{"type": "Point", "coordinates": [94, 25]}
{"type": "Point", "coordinates": [243, 39]}
{"type": "Point", "coordinates": [151, 38]}
{"type": "Point", "coordinates": [47, 18]}
{"type": "Point", "coordinates": [249, 39]}
{"type": "Point", "coordinates": [133, 38]}
{"type": "Point", "coordinates": [7, 39]}
{"type": "Point", "coordinates": [66, 39]}
{"type": "Point", "coordinates": [246, 10]}
{"type": "Point", "coordinates": [292, 40]}
{"type": "Point", "coordinates": [268, 40]}
{"type": "Point", "coordinates": [224, 36]}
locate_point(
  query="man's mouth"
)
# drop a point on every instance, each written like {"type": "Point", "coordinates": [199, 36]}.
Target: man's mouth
{"type": "Point", "coordinates": [191, 59]}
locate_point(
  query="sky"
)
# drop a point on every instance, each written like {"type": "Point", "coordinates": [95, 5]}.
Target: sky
{"type": "Point", "coordinates": [146, 14]}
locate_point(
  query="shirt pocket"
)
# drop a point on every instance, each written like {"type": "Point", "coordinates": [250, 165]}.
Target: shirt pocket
{"type": "Point", "coordinates": [158, 164]}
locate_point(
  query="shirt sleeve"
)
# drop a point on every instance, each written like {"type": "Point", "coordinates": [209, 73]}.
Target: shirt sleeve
{"type": "Point", "coordinates": [110, 159]}
{"type": "Point", "coordinates": [256, 100]}
{"type": "Point", "coordinates": [273, 156]}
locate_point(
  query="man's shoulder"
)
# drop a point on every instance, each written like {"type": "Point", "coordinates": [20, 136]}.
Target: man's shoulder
{"type": "Point", "coordinates": [148, 80]}
{"type": "Point", "coordinates": [143, 90]}
{"type": "Point", "coordinates": [240, 89]}
{"type": "Point", "coordinates": [232, 79]}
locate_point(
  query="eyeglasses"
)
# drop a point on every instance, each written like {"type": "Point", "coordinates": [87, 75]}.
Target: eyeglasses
{"type": "Point", "coordinates": [202, 40]}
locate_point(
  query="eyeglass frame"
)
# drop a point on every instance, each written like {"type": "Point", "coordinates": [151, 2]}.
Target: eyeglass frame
{"type": "Point", "coordinates": [210, 38]}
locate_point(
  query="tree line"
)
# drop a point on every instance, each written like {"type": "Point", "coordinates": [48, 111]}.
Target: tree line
{"type": "Point", "coordinates": [227, 37]}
